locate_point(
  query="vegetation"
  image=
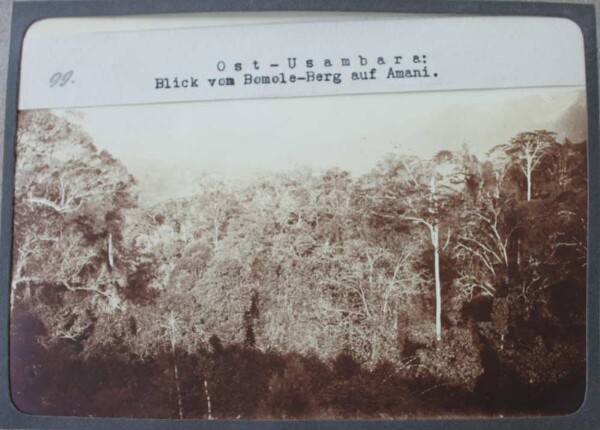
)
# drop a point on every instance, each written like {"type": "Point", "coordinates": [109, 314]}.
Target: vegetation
{"type": "Point", "coordinates": [450, 286]}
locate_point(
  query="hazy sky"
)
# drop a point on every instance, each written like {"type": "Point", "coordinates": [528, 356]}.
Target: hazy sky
{"type": "Point", "coordinates": [171, 143]}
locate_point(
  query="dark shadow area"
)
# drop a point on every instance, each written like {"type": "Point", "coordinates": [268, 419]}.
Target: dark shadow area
{"type": "Point", "coordinates": [243, 382]}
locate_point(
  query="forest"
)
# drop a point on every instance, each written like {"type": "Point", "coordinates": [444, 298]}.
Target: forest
{"type": "Point", "coordinates": [450, 286]}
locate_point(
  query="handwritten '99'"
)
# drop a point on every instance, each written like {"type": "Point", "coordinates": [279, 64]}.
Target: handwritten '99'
{"type": "Point", "coordinates": [61, 79]}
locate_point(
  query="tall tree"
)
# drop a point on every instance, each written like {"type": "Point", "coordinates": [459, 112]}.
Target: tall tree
{"type": "Point", "coordinates": [526, 150]}
{"type": "Point", "coordinates": [422, 193]}
{"type": "Point", "coordinates": [69, 198]}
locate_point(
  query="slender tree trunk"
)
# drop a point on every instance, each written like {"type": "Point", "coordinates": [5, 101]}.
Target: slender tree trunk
{"type": "Point", "coordinates": [518, 253]}
{"type": "Point", "coordinates": [435, 240]}
{"type": "Point", "coordinates": [11, 298]}
{"type": "Point", "coordinates": [438, 286]}
{"type": "Point", "coordinates": [15, 279]}
{"type": "Point", "coordinates": [172, 326]}
{"type": "Point", "coordinates": [208, 405]}
{"type": "Point", "coordinates": [528, 175]}
{"type": "Point", "coordinates": [216, 236]}
{"type": "Point", "coordinates": [373, 347]}
{"type": "Point", "coordinates": [178, 387]}
{"type": "Point", "coordinates": [111, 260]}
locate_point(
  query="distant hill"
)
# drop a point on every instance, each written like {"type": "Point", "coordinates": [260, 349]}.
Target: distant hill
{"type": "Point", "coordinates": [572, 124]}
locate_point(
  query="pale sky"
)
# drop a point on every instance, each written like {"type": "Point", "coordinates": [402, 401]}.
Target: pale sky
{"type": "Point", "coordinates": [171, 144]}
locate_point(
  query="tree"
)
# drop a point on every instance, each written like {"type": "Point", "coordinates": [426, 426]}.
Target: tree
{"type": "Point", "coordinates": [69, 198]}
{"type": "Point", "coordinates": [526, 151]}
{"type": "Point", "coordinates": [536, 329]}
{"type": "Point", "coordinates": [482, 246]}
{"type": "Point", "coordinates": [237, 299]}
{"type": "Point", "coordinates": [372, 289]}
{"type": "Point", "coordinates": [456, 362]}
{"type": "Point", "coordinates": [218, 208]}
{"type": "Point", "coordinates": [564, 167]}
{"type": "Point", "coordinates": [171, 324]}
{"type": "Point", "coordinates": [433, 227]}
{"type": "Point", "coordinates": [422, 193]}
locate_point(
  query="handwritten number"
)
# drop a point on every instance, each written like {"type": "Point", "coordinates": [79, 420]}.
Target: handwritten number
{"type": "Point", "coordinates": [61, 79]}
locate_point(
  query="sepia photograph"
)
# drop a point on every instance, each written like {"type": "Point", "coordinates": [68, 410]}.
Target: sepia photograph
{"type": "Point", "coordinates": [373, 256]}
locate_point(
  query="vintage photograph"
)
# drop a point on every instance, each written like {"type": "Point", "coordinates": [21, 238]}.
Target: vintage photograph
{"type": "Point", "coordinates": [389, 256]}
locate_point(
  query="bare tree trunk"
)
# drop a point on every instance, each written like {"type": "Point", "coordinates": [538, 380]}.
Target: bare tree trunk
{"type": "Point", "coordinates": [11, 299]}
{"type": "Point", "coordinates": [216, 235]}
{"type": "Point", "coordinates": [208, 406]}
{"type": "Point", "coordinates": [435, 240]}
{"type": "Point", "coordinates": [111, 260]}
{"type": "Point", "coordinates": [373, 346]}
{"type": "Point", "coordinates": [178, 387]}
{"type": "Point", "coordinates": [14, 282]}
{"type": "Point", "coordinates": [528, 176]}
{"type": "Point", "coordinates": [173, 328]}
{"type": "Point", "coordinates": [438, 286]}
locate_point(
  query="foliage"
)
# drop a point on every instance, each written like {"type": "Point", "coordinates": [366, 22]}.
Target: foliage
{"type": "Point", "coordinates": [415, 287]}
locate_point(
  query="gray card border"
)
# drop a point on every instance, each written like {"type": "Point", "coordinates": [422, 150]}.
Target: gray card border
{"type": "Point", "coordinates": [26, 13]}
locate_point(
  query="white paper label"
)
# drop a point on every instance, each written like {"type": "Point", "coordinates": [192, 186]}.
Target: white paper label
{"type": "Point", "coordinates": [299, 59]}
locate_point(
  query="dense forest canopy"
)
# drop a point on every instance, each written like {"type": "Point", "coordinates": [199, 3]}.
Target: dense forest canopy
{"type": "Point", "coordinates": [442, 286]}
